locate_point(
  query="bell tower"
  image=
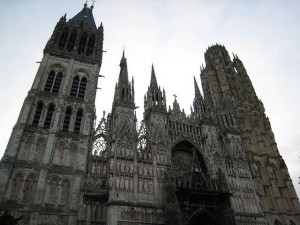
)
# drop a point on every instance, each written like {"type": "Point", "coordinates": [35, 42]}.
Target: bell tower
{"type": "Point", "coordinates": [46, 155]}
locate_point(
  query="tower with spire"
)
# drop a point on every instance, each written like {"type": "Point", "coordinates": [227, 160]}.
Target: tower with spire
{"type": "Point", "coordinates": [42, 167]}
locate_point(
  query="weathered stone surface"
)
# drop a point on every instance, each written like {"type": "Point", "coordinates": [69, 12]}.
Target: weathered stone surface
{"type": "Point", "coordinates": [218, 165]}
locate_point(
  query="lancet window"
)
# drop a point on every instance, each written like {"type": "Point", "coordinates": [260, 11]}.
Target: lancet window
{"type": "Point", "coordinates": [53, 190]}
{"type": "Point", "coordinates": [63, 39]}
{"type": "Point", "coordinates": [40, 150]}
{"type": "Point", "coordinates": [82, 43]}
{"type": "Point", "coordinates": [78, 87]}
{"type": "Point", "coordinates": [29, 188]}
{"type": "Point", "coordinates": [65, 189]}
{"type": "Point", "coordinates": [26, 148]}
{"type": "Point", "coordinates": [16, 187]}
{"type": "Point", "coordinates": [90, 46]}
{"type": "Point", "coordinates": [71, 42]}
{"type": "Point", "coordinates": [49, 115]}
{"type": "Point", "coordinates": [78, 121]}
{"type": "Point", "coordinates": [53, 82]}
{"type": "Point", "coordinates": [38, 112]}
{"type": "Point", "coordinates": [67, 119]}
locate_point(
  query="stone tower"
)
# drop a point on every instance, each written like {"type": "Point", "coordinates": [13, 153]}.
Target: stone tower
{"type": "Point", "coordinates": [47, 151]}
{"type": "Point", "coordinates": [217, 165]}
{"type": "Point", "coordinates": [233, 105]}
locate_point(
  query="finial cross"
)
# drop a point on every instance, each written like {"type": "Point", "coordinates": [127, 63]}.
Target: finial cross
{"type": "Point", "coordinates": [93, 1]}
{"type": "Point", "coordinates": [175, 96]}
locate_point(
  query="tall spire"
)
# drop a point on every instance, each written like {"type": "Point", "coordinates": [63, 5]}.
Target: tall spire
{"type": "Point", "coordinates": [123, 76]}
{"type": "Point", "coordinates": [124, 90]}
{"type": "Point", "coordinates": [198, 94]}
{"type": "Point", "coordinates": [153, 82]}
{"type": "Point", "coordinates": [199, 106]}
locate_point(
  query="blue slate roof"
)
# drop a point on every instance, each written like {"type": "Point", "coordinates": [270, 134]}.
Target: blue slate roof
{"type": "Point", "coordinates": [84, 18]}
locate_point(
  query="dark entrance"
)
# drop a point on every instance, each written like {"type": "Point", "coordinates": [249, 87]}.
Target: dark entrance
{"type": "Point", "coordinates": [195, 197]}
{"type": "Point", "coordinates": [202, 217]}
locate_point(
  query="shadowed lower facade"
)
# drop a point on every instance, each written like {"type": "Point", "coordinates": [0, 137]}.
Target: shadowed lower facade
{"type": "Point", "coordinates": [218, 165]}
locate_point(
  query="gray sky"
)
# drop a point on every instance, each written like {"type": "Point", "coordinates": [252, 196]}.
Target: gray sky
{"type": "Point", "coordinates": [172, 34]}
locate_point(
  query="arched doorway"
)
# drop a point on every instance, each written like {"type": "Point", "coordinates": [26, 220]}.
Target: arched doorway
{"type": "Point", "coordinates": [195, 197]}
{"type": "Point", "coordinates": [188, 165]}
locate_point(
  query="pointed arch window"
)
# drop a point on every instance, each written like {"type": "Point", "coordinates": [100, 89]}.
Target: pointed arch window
{"type": "Point", "coordinates": [82, 88]}
{"type": "Point", "coordinates": [17, 185]}
{"type": "Point", "coordinates": [57, 83]}
{"type": "Point", "coordinates": [29, 188]}
{"type": "Point", "coordinates": [90, 46]}
{"type": "Point", "coordinates": [63, 39]}
{"type": "Point", "coordinates": [82, 43]}
{"type": "Point", "coordinates": [40, 150]}
{"type": "Point", "coordinates": [71, 155]}
{"type": "Point", "coordinates": [65, 189]}
{"type": "Point", "coordinates": [78, 121]}
{"type": "Point", "coordinates": [50, 80]}
{"type": "Point", "coordinates": [78, 87]}
{"type": "Point", "coordinates": [53, 190]}
{"type": "Point", "coordinates": [53, 82]}
{"type": "Point", "coordinates": [67, 119]}
{"type": "Point", "coordinates": [71, 42]}
{"type": "Point", "coordinates": [75, 86]}
{"type": "Point", "coordinates": [37, 114]}
{"type": "Point", "coordinates": [49, 116]}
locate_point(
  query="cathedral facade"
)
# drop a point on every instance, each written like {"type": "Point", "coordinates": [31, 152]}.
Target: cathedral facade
{"type": "Point", "coordinates": [217, 165]}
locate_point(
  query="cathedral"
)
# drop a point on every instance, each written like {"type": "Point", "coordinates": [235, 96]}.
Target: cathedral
{"type": "Point", "coordinates": [218, 165]}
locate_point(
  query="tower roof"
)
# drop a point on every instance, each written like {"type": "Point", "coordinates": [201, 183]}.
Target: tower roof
{"type": "Point", "coordinates": [84, 18]}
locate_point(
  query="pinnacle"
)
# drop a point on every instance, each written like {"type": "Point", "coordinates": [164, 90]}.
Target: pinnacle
{"type": "Point", "coordinates": [153, 82]}
{"type": "Point", "coordinates": [123, 77]}
{"type": "Point", "coordinates": [123, 55]}
{"type": "Point", "coordinates": [197, 90]}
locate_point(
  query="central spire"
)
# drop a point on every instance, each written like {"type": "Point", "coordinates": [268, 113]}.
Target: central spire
{"type": "Point", "coordinates": [124, 90]}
